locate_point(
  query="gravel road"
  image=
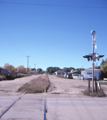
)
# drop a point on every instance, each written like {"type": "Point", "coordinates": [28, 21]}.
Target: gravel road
{"type": "Point", "coordinates": [66, 86]}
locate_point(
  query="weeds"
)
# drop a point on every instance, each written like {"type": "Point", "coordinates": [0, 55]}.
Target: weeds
{"type": "Point", "coordinates": [103, 83]}
{"type": "Point", "coordinates": [37, 85]}
{"type": "Point", "coordinates": [99, 93]}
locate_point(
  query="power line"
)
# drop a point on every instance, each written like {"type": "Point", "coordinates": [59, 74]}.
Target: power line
{"type": "Point", "coordinates": [52, 5]}
{"type": "Point", "coordinates": [10, 40]}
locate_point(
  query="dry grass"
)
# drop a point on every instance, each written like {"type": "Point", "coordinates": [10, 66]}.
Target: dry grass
{"type": "Point", "coordinates": [37, 85]}
{"type": "Point", "coordinates": [99, 93]}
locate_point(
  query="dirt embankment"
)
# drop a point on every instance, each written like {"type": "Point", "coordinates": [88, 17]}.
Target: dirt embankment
{"type": "Point", "coordinates": [37, 85]}
{"type": "Point", "coordinates": [30, 84]}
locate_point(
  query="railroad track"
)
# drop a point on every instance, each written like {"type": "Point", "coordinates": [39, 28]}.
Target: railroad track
{"type": "Point", "coordinates": [12, 105]}
{"type": "Point", "coordinates": [45, 111]}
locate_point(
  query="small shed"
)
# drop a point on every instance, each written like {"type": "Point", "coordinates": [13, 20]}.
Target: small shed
{"type": "Point", "coordinates": [87, 73]}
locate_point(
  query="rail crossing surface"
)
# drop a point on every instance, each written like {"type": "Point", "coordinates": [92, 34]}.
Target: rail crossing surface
{"type": "Point", "coordinates": [77, 108]}
{"type": "Point", "coordinates": [5, 102]}
{"type": "Point", "coordinates": [25, 109]}
{"type": "Point", "coordinates": [31, 107]}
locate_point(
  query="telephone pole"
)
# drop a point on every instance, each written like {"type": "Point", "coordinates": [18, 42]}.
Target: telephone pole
{"type": "Point", "coordinates": [27, 63]}
{"type": "Point", "coordinates": [93, 45]}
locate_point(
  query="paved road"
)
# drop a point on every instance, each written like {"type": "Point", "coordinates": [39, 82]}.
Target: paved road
{"type": "Point", "coordinates": [27, 108]}
{"type": "Point", "coordinates": [31, 107]}
{"type": "Point", "coordinates": [77, 108]}
{"type": "Point", "coordinates": [5, 102]}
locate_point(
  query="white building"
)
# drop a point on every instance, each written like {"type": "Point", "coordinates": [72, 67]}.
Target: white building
{"type": "Point", "coordinates": [87, 73]}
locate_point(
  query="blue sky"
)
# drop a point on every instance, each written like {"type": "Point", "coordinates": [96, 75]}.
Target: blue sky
{"type": "Point", "coordinates": [53, 34]}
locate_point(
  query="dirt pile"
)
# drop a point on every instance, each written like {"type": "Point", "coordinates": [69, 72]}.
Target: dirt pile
{"type": "Point", "coordinates": [37, 85]}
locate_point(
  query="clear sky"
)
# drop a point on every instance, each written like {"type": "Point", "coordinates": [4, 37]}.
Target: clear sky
{"type": "Point", "coordinates": [51, 32]}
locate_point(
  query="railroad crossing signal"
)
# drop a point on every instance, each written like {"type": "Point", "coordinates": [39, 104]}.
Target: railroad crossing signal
{"type": "Point", "coordinates": [93, 56]}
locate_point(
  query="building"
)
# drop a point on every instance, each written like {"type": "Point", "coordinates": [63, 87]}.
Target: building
{"type": "Point", "coordinates": [3, 71]}
{"type": "Point", "coordinates": [60, 73]}
{"type": "Point", "coordinates": [87, 73]}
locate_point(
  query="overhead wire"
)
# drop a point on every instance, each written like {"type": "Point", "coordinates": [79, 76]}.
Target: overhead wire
{"type": "Point", "coordinates": [10, 40]}
{"type": "Point", "coordinates": [52, 5]}
{"type": "Point", "coordinates": [11, 44]}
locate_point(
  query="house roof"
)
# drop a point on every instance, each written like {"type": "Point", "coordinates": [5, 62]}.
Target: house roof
{"type": "Point", "coordinates": [3, 68]}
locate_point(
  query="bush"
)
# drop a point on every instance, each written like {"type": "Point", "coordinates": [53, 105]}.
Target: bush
{"type": "Point", "coordinates": [99, 93]}
{"type": "Point", "coordinates": [12, 77]}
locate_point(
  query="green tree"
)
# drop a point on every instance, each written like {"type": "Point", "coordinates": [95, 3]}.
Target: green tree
{"type": "Point", "coordinates": [65, 69]}
{"type": "Point", "coordinates": [102, 62]}
{"type": "Point", "coordinates": [33, 69]}
{"type": "Point", "coordinates": [39, 70]}
{"type": "Point", "coordinates": [103, 68]}
{"type": "Point", "coordinates": [52, 69]}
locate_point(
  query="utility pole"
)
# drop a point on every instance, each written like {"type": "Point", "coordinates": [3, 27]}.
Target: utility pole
{"type": "Point", "coordinates": [35, 66]}
{"type": "Point", "coordinates": [93, 45]}
{"type": "Point", "coordinates": [27, 63]}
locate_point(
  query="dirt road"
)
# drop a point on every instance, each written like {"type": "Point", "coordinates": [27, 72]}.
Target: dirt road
{"type": "Point", "coordinates": [66, 86]}
{"type": "Point", "coordinates": [70, 87]}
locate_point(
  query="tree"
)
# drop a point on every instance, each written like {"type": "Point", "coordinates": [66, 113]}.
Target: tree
{"type": "Point", "coordinates": [103, 68]}
{"type": "Point", "coordinates": [71, 68]}
{"type": "Point", "coordinates": [39, 70]}
{"type": "Point", "coordinates": [102, 62]}
{"type": "Point", "coordinates": [21, 68]}
{"type": "Point", "coordinates": [9, 67]}
{"type": "Point", "coordinates": [68, 69]}
{"type": "Point", "coordinates": [33, 69]}
{"type": "Point", "coordinates": [65, 69]}
{"type": "Point", "coordinates": [52, 69]}
{"type": "Point", "coordinates": [25, 70]}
